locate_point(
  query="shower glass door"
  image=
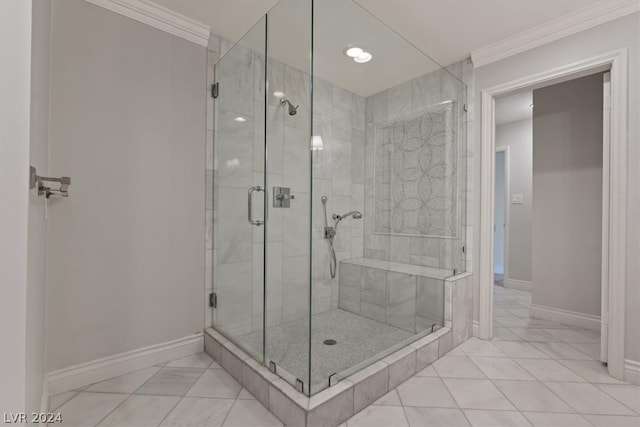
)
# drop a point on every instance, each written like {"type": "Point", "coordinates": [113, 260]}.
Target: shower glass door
{"type": "Point", "coordinates": [240, 192]}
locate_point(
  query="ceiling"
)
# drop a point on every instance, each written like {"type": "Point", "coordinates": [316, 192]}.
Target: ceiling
{"type": "Point", "coordinates": [514, 107]}
{"type": "Point", "coordinates": [447, 30]}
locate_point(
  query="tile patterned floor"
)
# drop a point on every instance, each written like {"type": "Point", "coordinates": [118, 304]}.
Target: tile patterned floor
{"type": "Point", "coordinates": [534, 373]}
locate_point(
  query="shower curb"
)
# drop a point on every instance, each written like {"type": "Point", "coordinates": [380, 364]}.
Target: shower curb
{"type": "Point", "coordinates": [336, 404]}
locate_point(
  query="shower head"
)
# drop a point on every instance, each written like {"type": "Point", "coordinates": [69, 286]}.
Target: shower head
{"type": "Point", "coordinates": [354, 214]}
{"type": "Point", "coordinates": [292, 110]}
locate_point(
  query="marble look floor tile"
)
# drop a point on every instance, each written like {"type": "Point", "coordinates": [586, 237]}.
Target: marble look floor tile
{"type": "Point", "coordinates": [427, 372]}
{"type": "Point", "coordinates": [496, 418]}
{"type": "Point", "coordinates": [457, 351]}
{"type": "Point", "coordinates": [457, 367]}
{"type": "Point", "coordinates": [532, 396]}
{"type": "Point", "coordinates": [534, 334]}
{"type": "Point", "coordinates": [501, 368]}
{"type": "Point", "coordinates": [519, 312]}
{"type": "Point", "coordinates": [570, 335]}
{"type": "Point", "coordinates": [542, 323]}
{"type": "Point", "coordinates": [628, 394]}
{"type": "Point", "coordinates": [588, 399]}
{"type": "Point", "coordinates": [591, 370]}
{"type": "Point", "coordinates": [544, 419]}
{"type": "Point", "coordinates": [60, 399]}
{"type": "Point", "coordinates": [195, 412]}
{"type": "Point", "coordinates": [504, 334]}
{"type": "Point", "coordinates": [87, 409]}
{"type": "Point", "coordinates": [140, 411]}
{"type": "Point", "coordinates": [379, 416]}
{"type": "Point", "coordinates": [520, 349]}
{"type": "Point", "coordinates": [592, 350]}
{"type": "Point", "coordinates": [477, 394]}
{"type": "Point", "coordinates": [171, 381]}
{"type": "Point", "coordinates": [435, 417]}
{"type": "Point", "coordinates": [198, 360]}
{"type": "Point", "coordinates": [389, 399]}
{"type": "Point", "coordinates": [245, 395]}
{"type": "Point", "coordinates": [215, 383]}
{"type": "Point", "coordinates": [511, 322]}
{"type": "Point", "coordinates": [250, 413]}
{"type": "Point", "coordinates": [560, 350]}
{"type": "Point", "coordinates": [548, 370]}
{"type": "Point", "coordinates": [426, 392]}
{"type": "Point", "coordinates": [593, 334]}
{"type": "Point", "coordinates": [125, 383]}
{"type": "Point", "coordinates": [613, 421]}
{"type": "Point", "coordinates": [477, 347]}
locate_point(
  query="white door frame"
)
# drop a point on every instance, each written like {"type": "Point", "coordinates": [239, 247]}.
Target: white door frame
{"type": "Point", "coordinates": [616, 61]}
{"type": "Point", "coordinates": [15, 116]}
{"type": "Point", "coordinates": [507, 192]}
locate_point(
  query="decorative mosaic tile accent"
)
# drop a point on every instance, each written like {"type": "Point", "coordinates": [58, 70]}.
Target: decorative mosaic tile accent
{"type": "Point", "coordinates": [416, 188]}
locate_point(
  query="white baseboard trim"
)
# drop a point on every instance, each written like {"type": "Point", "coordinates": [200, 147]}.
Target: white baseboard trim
{"type": "Point", "coordinates": [474, 328]}
{"type": "Point", "coordinates": [632, 371]}
{"type": "Point", "coordinates": [580, 320]}
{"type": "Point", "coordinates": [77, 376]}
{"type": "Point", "coordinates": [517, 284]}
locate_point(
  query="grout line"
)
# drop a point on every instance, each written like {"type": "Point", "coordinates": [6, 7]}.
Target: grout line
{"type": "Point", "coordinates": [615, 398]}
{"type": "Point", "coordinates": [170, 411]}
{"type": "Point", "coordinates": [231, 408]}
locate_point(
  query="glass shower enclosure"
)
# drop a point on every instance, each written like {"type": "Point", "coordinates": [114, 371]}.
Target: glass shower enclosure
{"type": "Point", "coordinates": [339, 191]}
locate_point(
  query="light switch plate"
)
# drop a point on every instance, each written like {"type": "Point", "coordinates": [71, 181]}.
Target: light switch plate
{"type": "Point", "coordinates": [517, 199]}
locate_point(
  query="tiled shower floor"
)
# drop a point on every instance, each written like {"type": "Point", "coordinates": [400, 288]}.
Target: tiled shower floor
{"type": "Point", "coordinates": [357, 339]}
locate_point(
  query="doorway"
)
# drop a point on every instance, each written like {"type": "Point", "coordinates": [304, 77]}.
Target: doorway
{"type": "Point", "coordinates": [500, 218]}
{"type": "Point", "coordinates": [614, 185]}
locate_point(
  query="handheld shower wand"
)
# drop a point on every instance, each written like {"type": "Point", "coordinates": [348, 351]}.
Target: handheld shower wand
{"type": "Point", "coordinates": [330, 232]}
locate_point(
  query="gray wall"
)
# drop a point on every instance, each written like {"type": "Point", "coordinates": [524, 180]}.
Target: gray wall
{"type": "Point", "coordinates": [622, 33]}
{"type": "Point", "coordinates": [518, 136]}
{"type": "Point", "coordinates": [567, 186]}
{"type": "Point", "coordinates": [125, 250]}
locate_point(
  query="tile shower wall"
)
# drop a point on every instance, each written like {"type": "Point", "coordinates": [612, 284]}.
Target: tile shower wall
{"type": "Point", "coordinates": [338, 172]}
{"type": "Point", "coordinates": [404, 101]}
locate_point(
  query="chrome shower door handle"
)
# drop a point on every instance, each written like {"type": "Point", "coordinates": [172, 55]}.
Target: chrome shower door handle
{"type": "Point", "coordinates": [256, 222]}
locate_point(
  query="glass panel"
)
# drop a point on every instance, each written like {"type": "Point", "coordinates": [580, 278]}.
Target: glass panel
{"type": "Point", "coordinates": [288, 165]}
{"type": "Point", "coordinates": [239, 195]}
{"type": "Point", "coordinates": [390, 173]}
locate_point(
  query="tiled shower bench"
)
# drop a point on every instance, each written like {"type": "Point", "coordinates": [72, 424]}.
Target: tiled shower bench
{"type": "Point", "coordinates": [352, 394]}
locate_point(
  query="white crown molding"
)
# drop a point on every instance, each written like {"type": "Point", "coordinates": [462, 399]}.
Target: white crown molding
{"type": "Point", "coordinates": [556, 29]}
{"type": "Point", "coordinates": [159, 17]}
{"type": "Point", "coordinates": [73, 377]}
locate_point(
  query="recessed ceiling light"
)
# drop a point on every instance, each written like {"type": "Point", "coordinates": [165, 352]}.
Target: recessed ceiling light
{"type": "Point", "coordinates": [363, 57]}
{"type": "Point", "coordinates": [240, 119]}
{"type": "Point", "coordinates": [278, 94]}
{"type": "Point", "coordinates": [353, 51]}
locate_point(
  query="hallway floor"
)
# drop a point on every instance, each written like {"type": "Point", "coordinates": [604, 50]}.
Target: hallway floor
{"type": "Point", "coordinates": [534, 373]}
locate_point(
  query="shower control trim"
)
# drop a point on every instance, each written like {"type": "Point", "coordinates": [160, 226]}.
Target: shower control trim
{"type": "Point", "coordinates": [282, 197]}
